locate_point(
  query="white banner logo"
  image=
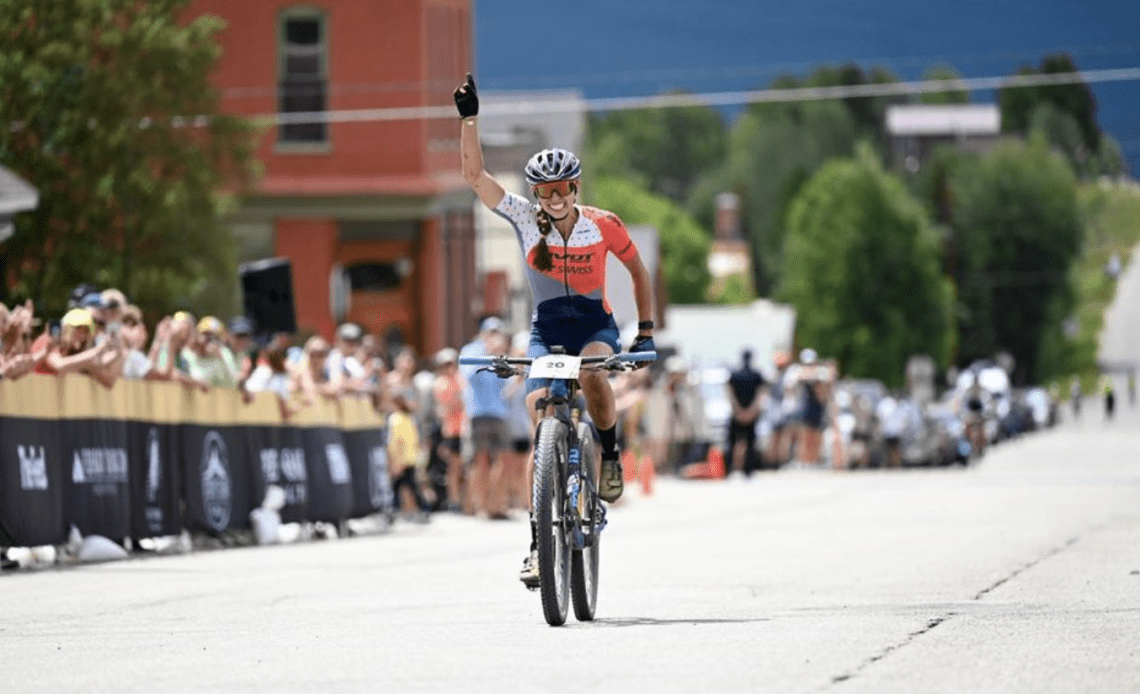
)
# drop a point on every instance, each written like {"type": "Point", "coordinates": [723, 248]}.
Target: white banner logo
{"type": "Point", "coordinates": [33, 467]}
{"type": "Point", "coordinates": [102, 468]}
{"type": "Point", "coordinates": [339, 470]}
{"type": "Point", "coordinates": [288, 463]}
{"type": "Point", "coordinates": [217, 489]}
{"type": "Point", "coordinates": [379, 485]}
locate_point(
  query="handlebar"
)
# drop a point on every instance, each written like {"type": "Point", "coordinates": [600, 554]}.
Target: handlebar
{"type": "Point", "coordinates": [504, 366]}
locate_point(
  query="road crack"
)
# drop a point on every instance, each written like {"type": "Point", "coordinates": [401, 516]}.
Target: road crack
{"type": "Point", "coordinates": [935, 622]}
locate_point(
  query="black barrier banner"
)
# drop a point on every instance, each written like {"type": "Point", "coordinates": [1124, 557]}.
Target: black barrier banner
{"type": "Point", "coordinates": [31, 484]}
{"type": "Point", "coordinates": [217, 476]}
{"type": "Point", "coordinates": [279, 459]}
{"type": "Point", "coordinates": [96, 490]}
{"type": "Point", "coordinates": [330, 474]}
{"type": "Point", "coordinates": [153, 453]}
{"type": "Point", "coordinates": [371, 484]}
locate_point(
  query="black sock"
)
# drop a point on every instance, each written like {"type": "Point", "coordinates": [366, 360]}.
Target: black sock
{"type": "Point", "coordinates": [609, 441]}
{"type": "Point", "coordinates": [533, 536]}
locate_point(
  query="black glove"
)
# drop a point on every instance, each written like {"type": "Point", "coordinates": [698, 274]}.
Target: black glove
{"type": "Point", "coordinates": [642, 343]}
{"type": "Point", "coordinates": [466, 100]}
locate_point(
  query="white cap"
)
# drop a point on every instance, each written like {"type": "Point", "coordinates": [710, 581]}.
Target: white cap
{"type": "Point", "coordinates": [491, 323]}
{"type": "Point", "coordinates": [807, 355]}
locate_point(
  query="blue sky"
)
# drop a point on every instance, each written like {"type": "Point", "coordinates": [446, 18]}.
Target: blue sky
{"type": "Point", "coordinates": [630, 47]}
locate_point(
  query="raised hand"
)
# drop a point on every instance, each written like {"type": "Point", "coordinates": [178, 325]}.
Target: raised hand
{"type": "Point", "coordinates": [466, 98]}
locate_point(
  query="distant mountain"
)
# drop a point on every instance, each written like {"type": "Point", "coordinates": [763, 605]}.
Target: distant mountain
{"type": "Point", "coordinates": [633, 47]}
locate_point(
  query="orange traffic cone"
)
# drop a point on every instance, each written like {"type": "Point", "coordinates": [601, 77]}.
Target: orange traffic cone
{"type": "Point", "coordinates": [647, 472]}
{"type": "Point", "coordinates": [716, 463]}
{"type": "Point", "coordinates": [628, 466]}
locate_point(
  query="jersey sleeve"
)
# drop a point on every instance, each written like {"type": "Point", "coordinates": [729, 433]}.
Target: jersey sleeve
{"type": "Point", "coordinates": [617, 237]}
{"type": "Point", "coordinates": [515, 209]}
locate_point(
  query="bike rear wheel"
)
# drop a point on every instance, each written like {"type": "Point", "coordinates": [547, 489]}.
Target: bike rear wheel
{"type": "Point", "coordinates": [584, 562]}
{"type": "Point", "coordinates": [550, 519]}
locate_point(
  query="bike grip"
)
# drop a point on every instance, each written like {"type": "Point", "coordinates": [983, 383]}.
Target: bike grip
{"type": "Point", "coordinates": [637, 356]}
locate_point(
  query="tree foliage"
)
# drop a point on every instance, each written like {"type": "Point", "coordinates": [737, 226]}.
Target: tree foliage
{"type": "Point", "coordinates": [862, 271]}
{"type": "Point", "coordinates": [1017, 230]}
{"type": "Point", "coordinates": [1020, 105]}
{"type": "Point", "coordinates": [110, 114]}
{"type": "Point", "coordinates": [665, 150]}
{"type": "Point", "coordinates": [772, 152]}
{"type": "Point", "coordinates": [684, 245]}
{"type": "Point", "coordinates": [944, 73]}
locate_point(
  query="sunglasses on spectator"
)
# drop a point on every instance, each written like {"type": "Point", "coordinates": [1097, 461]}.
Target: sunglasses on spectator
{"type": "Point", "coordinates": [563, 188]}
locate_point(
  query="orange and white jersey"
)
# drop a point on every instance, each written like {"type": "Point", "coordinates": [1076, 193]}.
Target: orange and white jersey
{"type": "Point", "coordinates": [576, 285]}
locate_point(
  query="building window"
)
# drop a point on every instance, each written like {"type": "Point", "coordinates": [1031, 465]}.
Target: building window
{"type": "Point", "coordinates": [303, 71]}
{"type": "Point", "coordinates": [379, 276]}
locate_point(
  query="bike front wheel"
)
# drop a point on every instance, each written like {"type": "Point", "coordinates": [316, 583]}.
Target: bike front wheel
{"type": "Point", "coordinates": [584, 562]}
{"type": "Point", "coordinates": [549, 497]}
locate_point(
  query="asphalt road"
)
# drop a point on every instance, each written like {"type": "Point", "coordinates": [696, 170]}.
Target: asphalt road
{"type": "Point", "coordinates": [1019, 574]}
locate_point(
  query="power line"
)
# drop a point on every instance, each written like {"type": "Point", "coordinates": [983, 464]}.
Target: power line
{"type": "Point", "coordinates": [709, 99]}
{"type": "Point", "coordinates": [681, 75]}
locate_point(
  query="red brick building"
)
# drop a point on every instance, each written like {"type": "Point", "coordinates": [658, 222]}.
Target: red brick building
{"type": "Point", "coordinates": [384, 199]}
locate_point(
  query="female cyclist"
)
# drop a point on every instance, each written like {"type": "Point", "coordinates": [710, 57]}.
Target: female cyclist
{"type": "Point", "coordinates": [565, 246]}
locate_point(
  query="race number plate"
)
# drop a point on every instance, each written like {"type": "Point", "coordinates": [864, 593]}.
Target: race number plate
{"type": "Point", "coordinates": [555, 366]}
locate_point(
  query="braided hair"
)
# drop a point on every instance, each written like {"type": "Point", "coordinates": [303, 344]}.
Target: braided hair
{"type": "Point", "coordinates": [543, 260]}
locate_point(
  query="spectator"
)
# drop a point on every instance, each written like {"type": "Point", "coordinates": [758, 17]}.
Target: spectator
{"type": "Point", "coordinates": [272, 375]}
{"type": "Point", "coordinates": [375, 370]}
{"type": "Point", "coordinates": [401, 378]}
{"type": "Point", "coordinates": [404, 454]}
{"type": "Point", "coordinates": [447, 396]}
{"type": "Point", "coordinates": [1106, 387]}
{"type": "Point", "coordinates": [814, 381]}
{"type": "Point", "coordinates": [17, 359]}
{"type": "Point", "coordinates": [239, 340]}
{"type": "Point", "coordinates": [346, 372]}
{"type": "Point", "coordinates": [114, 302]}
{"type": "Point", "coordinates": [172, 335]}
{"type": "Point", "coordinates": [744, 390]}
{"type": "Point", "coordinates": [520, 429]}
{"type": "Point", "coordinates": [136, 364]}
{"type": "Point", "coordinates": [776, 412]}
{"type": "Point", "coordinates": [312, 376]}
{"type": "Point", "coordinates": [76, 351]}
{"type": "Point", "coordinates": [208, 359]}
{"type": "Point", "coordinates": [487, 412]}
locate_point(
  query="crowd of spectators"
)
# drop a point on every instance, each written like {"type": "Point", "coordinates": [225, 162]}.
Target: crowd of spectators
{"type": "Point", "coordinates": [457, 439]}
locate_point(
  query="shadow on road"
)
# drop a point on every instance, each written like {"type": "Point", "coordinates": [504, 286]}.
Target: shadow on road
{"type": "Point", "coordinates": [651, 622]}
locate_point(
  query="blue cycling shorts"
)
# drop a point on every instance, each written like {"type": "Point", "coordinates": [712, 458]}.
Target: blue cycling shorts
{"type": "Point", "coordinates": [574, 335]}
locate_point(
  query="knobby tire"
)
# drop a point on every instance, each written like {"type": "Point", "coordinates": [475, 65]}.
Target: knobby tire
{"type": "Point", "coordinates": [549, 504]}
{"type": "Point", "coordinates": [584, 562]}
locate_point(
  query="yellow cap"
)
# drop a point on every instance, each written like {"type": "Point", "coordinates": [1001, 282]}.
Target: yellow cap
{"type": "Point", "coordinates": [78, 318]}
{"type": "Point", "coordinates": [210, 324]}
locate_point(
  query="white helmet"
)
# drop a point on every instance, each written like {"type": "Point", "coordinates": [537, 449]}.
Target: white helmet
{"type": "Point", "coordinates": [553, 165]}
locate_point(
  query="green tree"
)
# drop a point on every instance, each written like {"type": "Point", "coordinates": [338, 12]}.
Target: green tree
{"type": "Point", "coordinates": [773, 150]}
{"type": "Point", "coordinates": [862, 271]}
{"type": "Point", "coordinates": [1018, 228]}
{"type": "Point", "coordinates": [110, 114]}
{"type": "Point", "coordinates": [944, 73]}
{"type": "Point", "coordinates": [684, 245]}
{"type": "Point", "coordinates": [1019, 104]}
{"type": "Point", "coordinates": [664, 149]}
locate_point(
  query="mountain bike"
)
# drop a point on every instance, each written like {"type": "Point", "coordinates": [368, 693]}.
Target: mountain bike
{"type": "Point", "coordinates": [568, 514]}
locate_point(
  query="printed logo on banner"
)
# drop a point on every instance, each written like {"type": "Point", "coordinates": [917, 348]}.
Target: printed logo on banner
{"type": "Point", "coordinates": [153, 480]}
{"type": "Point", "coordinates": [286, 468]}
{"type": "Point", "coordinates": [379, 486]}
{"type": "Point", "coordinates": [217, 489]}
{"type": "Point", "coordinates": [339, 470]}
{"type": "Point", "coordinates": [33, 468]}
{"type": "Point", "coordinates": [102, 468]}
